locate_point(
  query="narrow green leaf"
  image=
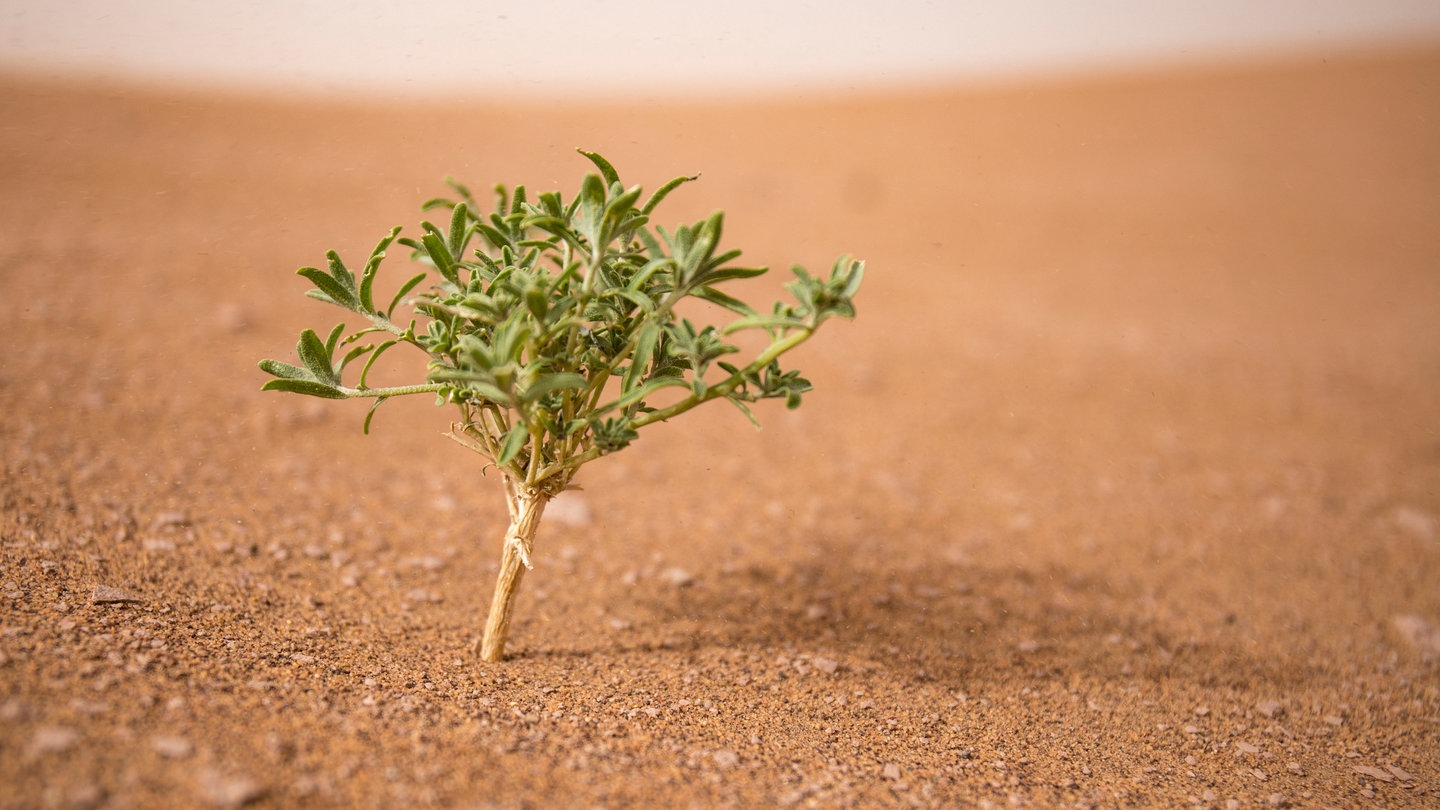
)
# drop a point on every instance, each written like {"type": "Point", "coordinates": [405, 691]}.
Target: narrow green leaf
{"type": "Point", "coordinates": [367, 278]}
{"type": "Point", "coordinates": [333, 341]}
{"type": "Point", "coordinates": [639, 394]}
{"type": "Point", "coordinates": [550, 383]}
{"type": "Point", "coordinates": [640, 300]}
{"type": "Point", "coordinates": [407, 287]}
{"type": "Point", "coordinates": [340, 272]}
{"type": "Point", "coordinates": [765, 322]}
{"type": "Point", "coordinates": [537, 302]}
{"type": "Point", "coordinates": [459, 219]}
{"type": "Point", "coordinates": [728, 273]}
{"type": "Point", "coordinates": [640, 358]}
{"type": "Point", "coordinates": [745, 409]}
{"type": "Point", "coordinates": [313, 355]}
{"type": "Point", "coordinates": [461, 189]}
{"type": "Point", "coordinates": [370, 414]}
{"type": "Point", "coordinates": [473, 382]}
{"type": "Point", "coordinates": [493, 235]}
{"type": "Point", "coordinates": [512, 444]}
{"type": "Point", "coordinates": [307, 387]}
{"type": "Point", "coordinates": [353, 355]}
{"type": "Point", "coordinates": [651, 268]}
{"type": "Point", "coordinates": [370, 361]}
{"type": "Point", "coordinates": [328, 285]}
{"type": "Point", "coordinates": [608, 171]}
{"type": "Point", "coordinates": [284, 370]}
{"type": "Point", "coordinates": [664, 191]}
{"type": "Point", "coordinates": [714, 296]}
{"type": "Point", "coordinates": [440, 255]}
{"type": "Point", "coordinates": [617, 208]}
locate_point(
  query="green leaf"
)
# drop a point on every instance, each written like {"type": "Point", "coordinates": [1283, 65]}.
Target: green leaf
{"type": "Point", "coordinates": [307, 387]}
{"type": "Point", "coordinates": [459, 232]}
{"type": "Point", "coordinates": [370, 414]}
{"type": "Point", "coordinates": [765, 322]}
{"type": "Point", "coordinates": [333, 341]}
{"type": "Point", "coordinates": [853, 274]}
{"type": "Point", "coordinates": [611, 176]}
{"type": "Point", "coordinates": [340, 272]}
{"type": "Point", "coordinates": [353, 355]}
{"type": "Point", "coordinates": [328, 285]}
{"type": "Point", "coordinates": [651, 268]}
{"type": "Point", "coordinates": [745, 409]}
{"type": "Point", "coordinates": [664, 191]}
{"type": "Point", "coordinates": [513, 443]}
{"type": "Point", "coordinates": [284, 370]}
{"type": "Point", "coordinates": [640, 359]}
{"type": "Point", "coordinates": [537, 302]}
{"type": "Point", "coordinates": [728, 273]}
{"type": "Point", "coordinates": [367, 278]}
{"type": "Point", "coordinates": [440, 255]}
{"type": "Point", "coordinates": [549, 384]}
{"type": "Point", "coordinates": [407, 287]}
{"type": "Point", "coordinates": [618, 207]}
{"type": "Point", "coordinates": [370, 361]}
{"type": "Point", "coordinates": [640, 394]}
{"type": "Point", "coordinates": [714, 296]}
{"type": "Point", "coordinates": [313, 354]}
{"type": "Point", "coordinates": [640, 300]}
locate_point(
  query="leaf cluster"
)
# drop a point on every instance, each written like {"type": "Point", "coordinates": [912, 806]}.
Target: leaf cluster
{"type": "Point", "coordinates": [552, 324]}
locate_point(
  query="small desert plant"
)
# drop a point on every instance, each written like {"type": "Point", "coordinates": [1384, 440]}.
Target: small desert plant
{"type": "Point", "coordinates": [557, 338]}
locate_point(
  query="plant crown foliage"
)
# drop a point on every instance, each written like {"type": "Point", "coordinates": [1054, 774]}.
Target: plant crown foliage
{"type": "Point", "coordinates": [552, 325]}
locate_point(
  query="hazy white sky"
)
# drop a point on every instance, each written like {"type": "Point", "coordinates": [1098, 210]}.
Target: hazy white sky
{"type": "Point", "coordinates": [566, 47]}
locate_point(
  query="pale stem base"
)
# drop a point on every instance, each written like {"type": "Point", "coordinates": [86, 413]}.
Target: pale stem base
{"type": "Point", "coordinates": [525, 512]}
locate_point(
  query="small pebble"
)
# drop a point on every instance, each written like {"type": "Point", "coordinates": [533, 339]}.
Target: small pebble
{"type": "Point", "coordinates": [1374, 773]}
{"type": "Point", "coordinates": [678, 577]}
{"type": "Point", "coordinates": [53, 740]}
{"type": "Point", "coordinates": [1246, 748]}
{"type": "Point", "coordinates": [1420, 634]}
{"type": "Point", "coordinates": [107, 595]}
{"type": "Point", "coordinates": [228, 792]}
{"type": "Point", "coordinates": [171, 747]}
{"type": "Point", "coordinates": [1270, 708]}
{"type": "Point", "coordinates": [166, 520]}
{"type": "Point", "coordinates": [725, 759]}
{"type": "Point", "coordinates": [891, 772]}
{"type": "Point", "coordinates": [825, 665]}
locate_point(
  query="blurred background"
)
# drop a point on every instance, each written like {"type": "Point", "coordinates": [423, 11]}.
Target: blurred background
{"type": "Point", "coordinates": [557, 47]}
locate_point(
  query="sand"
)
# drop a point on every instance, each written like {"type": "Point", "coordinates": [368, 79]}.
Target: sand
{"type": "Point", "coordinates": [1122, 489]}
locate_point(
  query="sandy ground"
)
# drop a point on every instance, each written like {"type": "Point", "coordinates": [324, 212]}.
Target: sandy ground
{"type": "Point", "coordinates": [1122, 490]}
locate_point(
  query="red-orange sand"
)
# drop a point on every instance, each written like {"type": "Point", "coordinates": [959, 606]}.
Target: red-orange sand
{"type": "Point", "coordinates": [1122, 490]}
